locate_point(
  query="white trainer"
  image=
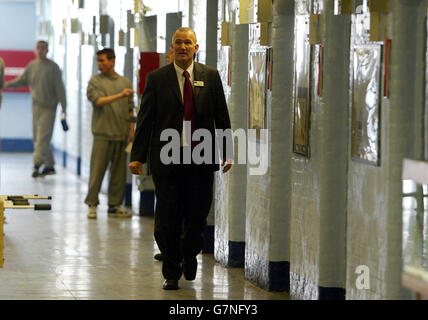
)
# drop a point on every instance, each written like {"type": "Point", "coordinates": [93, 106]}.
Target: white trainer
{"type": "Point", "coordinates": [92, 212]}
{"type": "Point", "coordinates": [119, 212]}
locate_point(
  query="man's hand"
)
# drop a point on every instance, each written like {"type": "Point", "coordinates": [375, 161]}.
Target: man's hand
{"type": "Point", "coordinates": [226, 166]}
{"type": "Point", "coordinates": [136, 167]}
{"type": "Point", "coordinates": [127, 92]}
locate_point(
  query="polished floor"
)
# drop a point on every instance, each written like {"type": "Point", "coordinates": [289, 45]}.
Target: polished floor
{"type": "Point", "coordinates": [60, 254]}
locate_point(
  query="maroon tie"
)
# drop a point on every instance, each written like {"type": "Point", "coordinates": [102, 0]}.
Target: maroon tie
{"type": "Point", "coordinates": [189, 106]}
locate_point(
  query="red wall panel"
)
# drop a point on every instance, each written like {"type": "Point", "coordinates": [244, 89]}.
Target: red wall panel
{"type": "Point", "coordinates": [15, 62]}
{"type": "Point", "coordinates": [149, 61]}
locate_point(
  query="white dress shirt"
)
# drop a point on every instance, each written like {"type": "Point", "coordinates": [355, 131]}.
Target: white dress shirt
{"type": "Point", "coordinates": [185, 134]}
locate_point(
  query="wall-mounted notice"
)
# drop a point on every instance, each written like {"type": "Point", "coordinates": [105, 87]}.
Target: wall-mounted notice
{"type": "Point", "coordinates": [257, 81]}
{"type": "Point", "coordinates": [302, 93]}
{"type": "Point", "coordinates": [365, 133]}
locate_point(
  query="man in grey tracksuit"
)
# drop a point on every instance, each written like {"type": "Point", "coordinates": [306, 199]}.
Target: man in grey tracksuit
{"type": "Point", "coordinates": [44, 78]}
{"type": "Point", "coordinates": [113, 107]}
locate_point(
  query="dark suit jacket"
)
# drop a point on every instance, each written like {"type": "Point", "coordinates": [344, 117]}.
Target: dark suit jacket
{"type": "Point", "coordinates": [162, 108]}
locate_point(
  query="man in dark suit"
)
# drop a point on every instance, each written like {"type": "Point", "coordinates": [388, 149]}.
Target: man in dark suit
{"type": "Point", "coordinates": [180, 93]}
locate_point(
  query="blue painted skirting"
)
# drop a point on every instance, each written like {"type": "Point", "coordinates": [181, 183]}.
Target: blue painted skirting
{"type": "Point", "coordinates": [279, 276]}
{"type": "Point", "coordinates": [147, 203]}
{"type": "Point", "coordinates": [304, 289]}
{"type": "Point", "coordinates": [67, 160]}
{"type": "Point", "coordinates": [64, 159]}
{"type": "Point", "coordinates": [79, 165]}
{"type": "Point", "coordinates": [208, 240]}
{"type": "Point", "coordinates": [128, 194]}
{"type": "Point", "coordinates": [236, 257]}
{"type": "Point", "coordinates": [72, 163]}
{"type": "Point", "coordinates": [17, 145]}
{"type": "Point", "coordinates": [331, 293]}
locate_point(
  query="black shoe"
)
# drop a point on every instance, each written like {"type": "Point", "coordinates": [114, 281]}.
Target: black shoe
{"type": "Point", "coordinates": [170, 285]}
{"type": "Point", "coordinates": [35, 173]}
{"type": "Point", "coordinates": [189, 266]}
{"type": "Point", "coordinates": [158, 256]}
{"type": "Point", "coordinates": [47, 171]}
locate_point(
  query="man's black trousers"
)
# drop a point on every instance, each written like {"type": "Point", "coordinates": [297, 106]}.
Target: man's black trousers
{"type": "Point", "coordinates": [183, 201]}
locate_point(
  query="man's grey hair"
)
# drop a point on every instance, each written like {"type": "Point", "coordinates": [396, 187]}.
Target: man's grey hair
{"type": "Point", "coordinates": [185, 29]}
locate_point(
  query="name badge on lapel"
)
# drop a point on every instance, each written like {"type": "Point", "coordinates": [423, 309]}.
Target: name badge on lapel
{"type": "Point", "coordinates": [198, 83]}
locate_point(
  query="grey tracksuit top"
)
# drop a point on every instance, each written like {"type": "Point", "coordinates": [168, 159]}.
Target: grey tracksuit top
{"type": "Point", "coordinates": [110, 122]}
{"type": "Point", "coordinates": [44, 79]}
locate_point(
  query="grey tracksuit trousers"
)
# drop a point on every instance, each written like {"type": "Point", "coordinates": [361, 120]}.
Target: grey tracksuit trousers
{"type": "Point", "coordinates": [43, 125]}
{"type": "Point", "coordinates": [103, 153]}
